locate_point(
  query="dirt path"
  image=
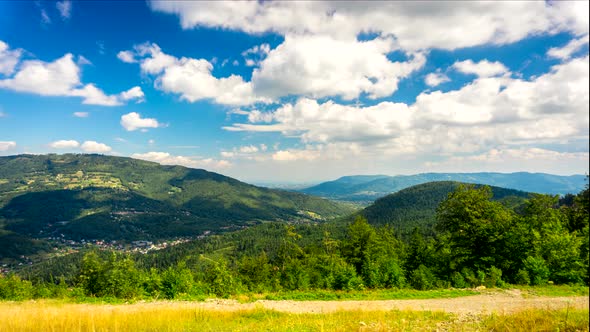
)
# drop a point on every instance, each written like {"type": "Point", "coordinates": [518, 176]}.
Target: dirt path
{"type": "Point", "coordinates": [478, 304]}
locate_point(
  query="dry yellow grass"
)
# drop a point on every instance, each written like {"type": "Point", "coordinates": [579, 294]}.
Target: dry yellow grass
{"type": "Point", "coordinates": [185, 316]}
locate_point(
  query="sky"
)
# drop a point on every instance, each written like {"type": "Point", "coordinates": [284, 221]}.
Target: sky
{"type": "Point", "coordinates": [293, 91]}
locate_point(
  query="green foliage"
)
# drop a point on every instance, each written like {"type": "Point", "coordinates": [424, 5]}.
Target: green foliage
{"type": "Point", "coordinates": [13, 287]}
{"type": "Point", "coordinates": [538, 271]}
{"type": "Point", "coordinates": [422, 278]}
{"type": "Point", "coordinates": [116, 277]}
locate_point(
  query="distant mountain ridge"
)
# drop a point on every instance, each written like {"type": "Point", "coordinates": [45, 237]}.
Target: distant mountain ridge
{"type": "Point", "coordinates": [370, 187]}
{"type": "Point", "coordinates": [83, 196]}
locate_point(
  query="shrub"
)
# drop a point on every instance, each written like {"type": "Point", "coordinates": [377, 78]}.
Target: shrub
{"type": "Point", "coordinates": [458, 281]}
{"type": "Point", "coordinates": [537, 269]}
{"type": "Point", "coordinates": [422, 278]}
{"type": "Point", "coordinates": [522, 277]}
{"type": "Point", "coordinates": [13, 288]}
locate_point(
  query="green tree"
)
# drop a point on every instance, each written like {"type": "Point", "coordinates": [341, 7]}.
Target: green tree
{"type": "Point", "coordinates": [476, 227]}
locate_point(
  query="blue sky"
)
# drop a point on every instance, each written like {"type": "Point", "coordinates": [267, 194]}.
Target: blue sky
{"type": "Point", "coordinates": [300, 91]}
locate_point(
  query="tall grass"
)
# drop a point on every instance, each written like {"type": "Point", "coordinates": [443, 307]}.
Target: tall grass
{"type": "Point", "coordinates": [187, 316]}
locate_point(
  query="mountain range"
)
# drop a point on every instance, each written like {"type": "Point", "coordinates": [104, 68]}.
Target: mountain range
{"type": "Point", "coordinates": [367, 188]}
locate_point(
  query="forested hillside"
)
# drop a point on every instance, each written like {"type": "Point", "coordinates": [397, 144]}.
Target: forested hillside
{"type": "Point", "coordinates": [115, 198]}
{"type": "Point", "coordinates": [476, 240]}
{"type": "Point", "coordinates": [416, 206]}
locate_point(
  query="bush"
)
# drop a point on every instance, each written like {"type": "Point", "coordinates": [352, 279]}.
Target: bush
{"type": "Point", "coordinates": [522, 277]}
{"type": "Point", "coordinates": [494, 277]}
{"type": "Point", "coordinates": [13, 288]}
{"type": "Point", "coordinates": [537, 269]}
{"type": "Point", "coordinates": [345, 278]}
{"type": "Point", "coordinates": [422, 278]}
{"type": "Point", "coordinates": [176, 281]}
{"type": "Point", "coordinates": [458, 281]}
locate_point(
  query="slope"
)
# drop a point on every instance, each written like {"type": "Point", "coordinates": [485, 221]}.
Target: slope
{"type": "Point", "coordinates": [116, 198]}
{"type": "Point", "coordinates": [369, 188]}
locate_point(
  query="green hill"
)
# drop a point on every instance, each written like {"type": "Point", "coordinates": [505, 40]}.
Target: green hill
{"type": "Point", "coordinates": [115, 198]}
{"type": "Point", "coordinates": [416, 206]}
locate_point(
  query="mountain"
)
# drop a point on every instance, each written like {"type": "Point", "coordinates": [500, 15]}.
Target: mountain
{"type": "Point", "coordinates": [368, 187]}
{"type": "Point", "coordinates": [77, 197]}
{"type": "Point", "coordinates": [416, 206]}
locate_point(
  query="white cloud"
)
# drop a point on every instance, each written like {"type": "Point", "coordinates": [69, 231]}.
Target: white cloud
{"type": "Point", "coordinates": [292, 155]}
{"type": "Point", "coordinates": [133, 121]}
{"type": "Point", "coordinates": [7, 145]}
{"type": "Point", "coordinates": [166, 158]}
{"type": "Point", "coordinates": [249, 149]}
{"type": "Point", "coordinates": [8, 58]}
{"type": "Point", "coordinates": [485, 114]}
{"type": "Point", "coordinates": [64, 144]}
{"type": "Point", "coordinates": [330, 122]}
{"type": "Point", "coordinates": [415, 26]}
{"type": "Point", "coordinates": [436, 79]}
{"type": "Point", "coordinates": [133, 93]}
{"type": "Point", "coordinates": [570, 48]}
{"type": "Point", "coordinates": [95, 147]}
{"type": "Point", "coordinates": [81, 114]}
{"type": "Point", "coordinates": [484, 68]}
{"type": "Point", "coordinates": [65, 8]}
{"type": "Point", "coordinates": [320, 66]}
{"type": "Point", "coordinates": [126, 56]}
{"type": "Point", "coordinates": [192, 78]}
{"type": "Point", "coordinates": [59, 78]}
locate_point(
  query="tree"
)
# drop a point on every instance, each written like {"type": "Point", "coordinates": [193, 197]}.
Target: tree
{"type": "Point", "coordinates": [476, 227]}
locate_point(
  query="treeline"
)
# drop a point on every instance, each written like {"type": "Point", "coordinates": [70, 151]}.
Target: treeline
{"type": "Point", "coordinates": [476, 241]}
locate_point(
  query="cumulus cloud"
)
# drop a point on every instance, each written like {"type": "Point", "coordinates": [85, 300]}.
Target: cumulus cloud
{"type": "Point", "coordinates": [81, 114]}
{"type": "Point", "coordinates": [484, 114]}
{"type": "Point", "coordinates": [569, 49]}
{"type": "Point", "coordinates": [436, 79]}
{"type": "Point", "coordinates": [7, 145]}
{"type": "Point", "coordinates": [133, 121]}
{"type": "Point", "coordinates": [192, 78]}
{"type": "Point", "coordinates": [329, 122]}
{"type": "Point", "coordinates": [8, 58]}
{"type": "Point", "coordinates": [320, 66]}
{"type": "Point", "coordinates": [95, 147]}
{"type": "Point", "coordinates": [292, 155]}
{"type": "Point", "coordinates": [415, 26]}
{"type": "Point", "coordinates": [60, 78]}
{"type": "Point", "coordinates": [135, 93]}
{"type": "Point", "coordinates": [126, 56]}
{"type": "Point", "coordinates": [166, 158]}
{"type": "Point", "coordinates": [64, 144]}
{"type": "Point", "coordinates": [483, 68]}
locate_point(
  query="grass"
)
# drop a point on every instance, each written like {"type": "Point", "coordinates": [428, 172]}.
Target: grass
{"type": "Point", "coordinates": [51, 315]}
{"type": "Point", "coordinates": [380, 294]}
{"type": "Point", "coordinates": [555, 290]}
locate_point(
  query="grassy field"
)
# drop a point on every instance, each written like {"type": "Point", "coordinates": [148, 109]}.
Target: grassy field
{"type": "Point", "coordinates": [178, 316]}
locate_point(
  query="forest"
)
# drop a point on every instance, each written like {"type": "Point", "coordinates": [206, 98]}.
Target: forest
{"type": "Point", "coordinates": [474, 241]}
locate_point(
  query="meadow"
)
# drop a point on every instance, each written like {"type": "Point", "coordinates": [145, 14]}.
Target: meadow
{"type": "Point", "coordinates": [53, 315]}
